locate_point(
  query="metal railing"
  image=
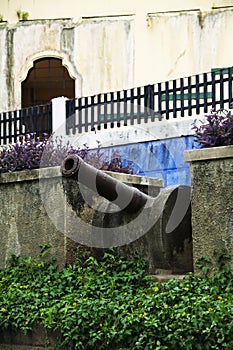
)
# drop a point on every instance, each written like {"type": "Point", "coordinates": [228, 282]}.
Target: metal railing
{"type": "Point", "coordinates": [191, 96]}
{"type": "Point", "coordinates": [36, 119]}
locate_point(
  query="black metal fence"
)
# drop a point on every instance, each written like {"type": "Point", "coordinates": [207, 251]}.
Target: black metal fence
{"type": "Point", "coordinates": [191, 96]}
{"type": "Point", "coordinates": [37, 119]}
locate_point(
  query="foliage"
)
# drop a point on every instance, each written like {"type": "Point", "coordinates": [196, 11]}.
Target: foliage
{"type": "Point", "coordinates": [31, 153]}
{"type": "Point", "coordinates": [22, 15]}
{"type": "Point", "coordinates": [218, 131]}
{"type": "Point", "coordinates": [110, 304]}
{"type": "Point", "coordinates": [1, 18]}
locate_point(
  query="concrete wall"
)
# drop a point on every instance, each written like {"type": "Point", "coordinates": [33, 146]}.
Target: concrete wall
{"type": "Point", "coordinates": [36, 339]}
{"type": "Point", "coordinates": [24, 221]}
{"type": "Point", "coordinates": [38, 206]}
{"type": "Point", "coordinates": [112, 46]}
{"type": "Point", "coordinates": [157, 149]}
{"type": "Point", "coordinates": [160, 158]}
{"type": "Point", "coordinates": [26, 199]}
{"type": "Point", "coordinates": [212, 205]}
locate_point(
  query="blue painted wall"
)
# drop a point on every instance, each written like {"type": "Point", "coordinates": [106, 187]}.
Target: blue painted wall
{"type": "Point", "coordinates": [161, 158]}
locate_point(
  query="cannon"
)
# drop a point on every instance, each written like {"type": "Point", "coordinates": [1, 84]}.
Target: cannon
{"type": "Point", "coordinates": [156, 228]}
{"type": "Point", "coordinates": [127, 198]}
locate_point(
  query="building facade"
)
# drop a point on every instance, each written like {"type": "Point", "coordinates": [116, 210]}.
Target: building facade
{"type": "Point", "coordinates": [81, 48]}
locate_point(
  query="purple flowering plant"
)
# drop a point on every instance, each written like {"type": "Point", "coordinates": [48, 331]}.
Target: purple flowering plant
{"type": "Point", "coordinates": [28, 151]}
{"type": "Point", "coordinates": [217, 130]}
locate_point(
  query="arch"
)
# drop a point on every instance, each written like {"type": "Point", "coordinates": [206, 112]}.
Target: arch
{"type": "Point", "coordinates": [49, 53]}
{"type": "Point", "coordinates": [47, 79]}
{"type": "Point", "coordinates": [28, 64]}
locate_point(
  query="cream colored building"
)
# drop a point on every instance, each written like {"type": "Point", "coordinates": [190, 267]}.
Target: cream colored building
{"type": "Point", "coordinates": [105, 45]}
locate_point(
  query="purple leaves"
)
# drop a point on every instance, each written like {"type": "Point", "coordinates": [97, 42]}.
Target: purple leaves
{"type": "Point", "coordinates": [218, 131]}
{"type": "Point", "coordinates": [28, 151]}
{"type": "Point", "coordinates": [25, 154]}
{"type": "Point", "coordinates": [31, 153]}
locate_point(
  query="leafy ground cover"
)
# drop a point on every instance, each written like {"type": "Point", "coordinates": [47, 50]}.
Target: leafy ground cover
{"type": "Point", "coordinates": [111, 303]}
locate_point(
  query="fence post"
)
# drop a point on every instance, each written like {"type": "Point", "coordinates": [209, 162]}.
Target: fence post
{"type": "Point", "coordinates": [59, 115]}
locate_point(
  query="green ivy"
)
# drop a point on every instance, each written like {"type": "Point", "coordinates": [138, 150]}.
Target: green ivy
{"type": "Point", "coordinates": [111, 304]}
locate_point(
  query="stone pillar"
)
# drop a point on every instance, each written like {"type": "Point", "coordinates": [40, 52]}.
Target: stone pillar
{"type": "Point", "coordinates": [59, 115]}
{"type": "Point", "coordinates": [212, 201]}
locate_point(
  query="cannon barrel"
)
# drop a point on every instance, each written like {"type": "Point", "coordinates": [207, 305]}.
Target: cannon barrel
{"type": "Point", "coordinates": [128, 199]}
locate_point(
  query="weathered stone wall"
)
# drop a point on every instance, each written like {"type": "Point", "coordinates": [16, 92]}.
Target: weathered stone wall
{"type": "Point", "coordinates": [212, 200]}
{"type": "Point", "coordinates": [37, 339]}
{"type": "Point", "coordinates": [35, 210]}
{"type": "Point", "coordinates": [24, 221]}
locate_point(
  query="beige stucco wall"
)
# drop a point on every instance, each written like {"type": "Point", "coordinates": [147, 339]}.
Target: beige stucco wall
{"type": "Point", "coordinates": [3, 71]}
{"type": "Point", "coordinates": [85, 48]}
{"type": "Point", "coordinates": [39, 9]}
{"type": "Point", "coordinates": [105, 54]}
{"type": "Point", "coordinates": [189, 42]}
{"type": "Point", "coordinates": [109, 46]}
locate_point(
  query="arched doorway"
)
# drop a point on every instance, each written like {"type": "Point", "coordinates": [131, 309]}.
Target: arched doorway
{"type": "Point", "coordinates": [47, 79]}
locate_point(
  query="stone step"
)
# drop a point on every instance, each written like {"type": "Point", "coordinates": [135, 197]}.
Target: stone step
{"type": "Point", "coordinates": [164, 277]}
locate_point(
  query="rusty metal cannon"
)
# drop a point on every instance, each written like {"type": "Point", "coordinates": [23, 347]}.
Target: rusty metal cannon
{"type": "Point", "coordinates": [157, 228]}
{"type": "Point", "coordinates": [127, 198]}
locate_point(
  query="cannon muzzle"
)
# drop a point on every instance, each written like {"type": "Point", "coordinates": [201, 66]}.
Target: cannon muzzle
{"type": "Point", "coordinates": [128, 199]}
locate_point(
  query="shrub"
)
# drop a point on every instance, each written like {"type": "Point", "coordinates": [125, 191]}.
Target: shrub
{"type": "Point", "coordinates": [218, 131]}
{"type": "Point", "coordinates": [110, 304]}
{"type": "Point", "coordinates": [31, 153]}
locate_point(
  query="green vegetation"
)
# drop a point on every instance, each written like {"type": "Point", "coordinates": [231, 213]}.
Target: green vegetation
{"type": "Point", "coordinates": [22, 15]}
{"type": "Point", "coordinates": [1, 17]}
{"type": "Point", "coordinates": [111, 304]}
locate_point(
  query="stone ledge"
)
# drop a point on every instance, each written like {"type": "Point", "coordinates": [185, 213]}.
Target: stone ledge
{"type": "Point", "coordinates": [29, 174]}
{"type": "Point", "coordinates": [208, 153]}
{"type": "Point", "coordinates": [137, 179]}
{"type": "Point", "coordinates": [52, 172]}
